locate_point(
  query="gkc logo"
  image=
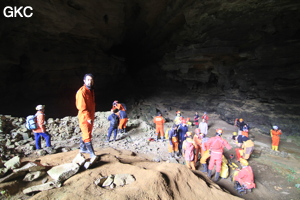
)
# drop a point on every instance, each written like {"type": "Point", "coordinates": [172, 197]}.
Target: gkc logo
{"type": "Point", "coordinates": [15, 11]}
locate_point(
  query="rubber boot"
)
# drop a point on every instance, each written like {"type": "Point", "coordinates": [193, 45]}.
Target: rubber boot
{"type": "Point", "coordinates": [204, 168]}
{"type": "Point", "coordinates": [177, 154]}
{"type": "Point", "coordinates": [217, 176]}
{"type": "Point", "coordinates": [90, 148]}
{"type": "Point", "coordinates": [124, 130]}
{"type": "Point", "coordinates": [276, 148]}
{"type": "Point", "coordinates": [163, 138]}
{"type": "Point", "coordinates": [273, 147]}
{"type": "Point", "coordinates": [82, 147]}
{"type": "Point", "coordinates": [209, 173]}
{"type": "Point", "coordinates": [172, 154]}
{"type": "Point", "coordinates": [157, 137]}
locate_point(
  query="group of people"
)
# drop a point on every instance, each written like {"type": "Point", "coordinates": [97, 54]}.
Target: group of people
{"type": "Point", "coordinates": [196, 146]}
{"type": "Point", "coordinates": [85, 103]}
{"type": "Point", "coordinates": [182, 142]}
{"type": "Point", "coordinates": [118, 120]}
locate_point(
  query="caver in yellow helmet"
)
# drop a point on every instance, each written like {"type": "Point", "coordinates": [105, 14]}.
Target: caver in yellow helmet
{"type": "Point", "coordinates": [244, 162]}
{"type": "Point", "coordinates": [188, 133]}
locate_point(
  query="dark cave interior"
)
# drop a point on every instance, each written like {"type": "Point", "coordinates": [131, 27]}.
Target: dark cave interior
{"type": "Point", "coordinates": [231, 57]}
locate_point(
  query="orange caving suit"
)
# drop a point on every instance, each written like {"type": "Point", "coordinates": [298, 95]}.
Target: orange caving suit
{"type": "Point", "coordinates": [245, 177]}
{"type": "Point", "coordinates": [204, 151]}
{"type": "Point", "coordinates": [198, 149]}
{"type": "Point", "coordinates": [248, 147]}
{"type": "Point", "coordinates": [275, 137]}
{"type": "Point", "coordinates": [216, 145]}
{"type": "Point", "coordinates": [40, 119]}
{"type": "Point", "coordinates": [123, 119]}
{"type": "Point", "coordinates": [159, 121]}
{"type": "Point", "coordinates": [85, 103]}
{"type": "Point", "coordinates": [245, 133]}
{"type": "Point", "coordinates": [173, 141]}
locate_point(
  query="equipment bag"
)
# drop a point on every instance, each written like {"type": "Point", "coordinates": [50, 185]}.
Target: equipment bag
{"type": "Point", "coordinates": [31, 122]}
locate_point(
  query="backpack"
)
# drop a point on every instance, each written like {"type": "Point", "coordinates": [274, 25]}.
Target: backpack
{"type": "Point", "coordinates": [124, 106]}
{"type": "Point", "coordinates": [31, 122]}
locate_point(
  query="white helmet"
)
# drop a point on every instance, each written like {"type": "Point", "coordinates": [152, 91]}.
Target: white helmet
{"type": "Point", "coordinates": [40, 107]}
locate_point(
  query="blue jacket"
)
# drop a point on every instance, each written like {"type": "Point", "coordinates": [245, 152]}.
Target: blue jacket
{"type": "Point", "coordinates": [172, 133]}
{"type": "Point", "coordinates": [182, 129]}
{"type": "Point", "coordinates": [114, 120]}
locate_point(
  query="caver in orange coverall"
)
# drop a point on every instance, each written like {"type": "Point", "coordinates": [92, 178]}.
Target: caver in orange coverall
{"type": "Point", "coordinates": [275, 138]}
{"type": "Point", "coordinates": [85, 103]}
{"type": "Point", "coordinates": [41, 130]}
{"type": "Point", "coordinates": [198, 141]}
{"type": "Point", "coordinates": [159, 122]}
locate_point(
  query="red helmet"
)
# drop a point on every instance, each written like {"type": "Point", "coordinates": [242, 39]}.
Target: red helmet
{"type": "Point", "coordinates": [220, 131]}
{"type": "Point", "coordinates": [183, 121]}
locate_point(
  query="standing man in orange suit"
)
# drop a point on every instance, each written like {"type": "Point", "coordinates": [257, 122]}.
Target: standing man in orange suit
{"type": "Point", "coordinates": [159, 121]}
{"type": "Point", "coordinates": [85, 103]}
{"type": "Point", "coordinates": [275, 134]}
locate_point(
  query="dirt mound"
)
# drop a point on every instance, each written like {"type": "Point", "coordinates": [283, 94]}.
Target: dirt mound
{"type": "Point", "coordinates": [153, 180]}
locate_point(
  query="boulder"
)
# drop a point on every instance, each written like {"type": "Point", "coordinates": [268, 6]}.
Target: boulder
{"type": "Point", "coordinates": [79, 159]}
{"type": "Point", "coordinates": [33, 175]}
{"type": "Point", "coordinates": [3, 171]}
{"type": "Point", "coordinates": [108, 181]}
{"type": "Point", "coordinates": [31, 167]}
{"type": "Point", "coordinates": [123, 179]}
{"type": "Point", "coordinates": [100, 181]}
{"type": "Point", "coordinates": [13, 163]}
{"type": "Point", "coordinates": [12, 176]}
{"type": "Point", "coordinates": [63, 172]}
{"type": "Point", "coordinates": [42, 187]}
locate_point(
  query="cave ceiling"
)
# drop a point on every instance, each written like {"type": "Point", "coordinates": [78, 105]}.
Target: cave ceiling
{"type": "Point", "coordinates": [247, 49]}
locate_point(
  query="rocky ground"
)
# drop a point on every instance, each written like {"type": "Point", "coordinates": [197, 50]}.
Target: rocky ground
{"type": "Point", "coordinates": [277, 174]}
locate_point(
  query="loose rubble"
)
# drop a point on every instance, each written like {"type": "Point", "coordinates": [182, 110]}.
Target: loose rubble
{"type": "Point", "coordinates": [16, 142]}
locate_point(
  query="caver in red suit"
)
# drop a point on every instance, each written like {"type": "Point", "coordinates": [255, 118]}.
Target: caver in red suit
{"type": "Point", "coordinates": [245, 176]}
{"type": "Point", "coordinates": [216, 145]}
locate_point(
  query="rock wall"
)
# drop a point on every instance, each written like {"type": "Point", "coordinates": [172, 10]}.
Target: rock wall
{"type": "Point", "coordinates": [239, 58]}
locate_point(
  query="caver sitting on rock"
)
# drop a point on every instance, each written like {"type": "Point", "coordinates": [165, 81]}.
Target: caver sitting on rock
{"type": "Point", "coordinates": [245, 176]}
